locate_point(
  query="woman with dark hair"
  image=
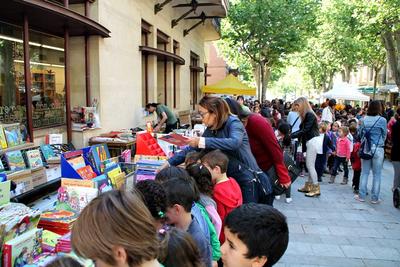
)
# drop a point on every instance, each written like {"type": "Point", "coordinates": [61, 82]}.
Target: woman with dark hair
{"type": "Point", "coordinates": [226, 132]}
{"type": "Point", "coordinates": [165, 115]}
{"type": "Point", "coordinates": [373, 126]}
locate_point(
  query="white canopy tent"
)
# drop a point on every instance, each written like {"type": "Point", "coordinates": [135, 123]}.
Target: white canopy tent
{"type": "Point", "coordinates": [345, 91]}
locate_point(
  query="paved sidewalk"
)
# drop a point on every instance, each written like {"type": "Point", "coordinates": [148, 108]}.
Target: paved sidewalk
{"type": "Point", "coordinates": [336, 230]}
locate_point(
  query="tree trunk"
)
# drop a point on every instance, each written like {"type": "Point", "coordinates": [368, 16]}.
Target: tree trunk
{"type": "Point", "coordinates": [347, 73]}
{"type": "Point", "coordinates": [376, 69]}
{"type": "Point", "coordinates": [330, 84]}
{"type": "Point", "coordinates": [257, 77]}
{"type": "Point", "coordinates": [392, 55]}
{"type": "Point", "coordinates": [267, 76]}
{"type": "Point", "coordinates": [262, 74]}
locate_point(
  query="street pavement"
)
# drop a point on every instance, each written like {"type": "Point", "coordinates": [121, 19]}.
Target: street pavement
{"type": "Point", "coordinates": [336, 230]}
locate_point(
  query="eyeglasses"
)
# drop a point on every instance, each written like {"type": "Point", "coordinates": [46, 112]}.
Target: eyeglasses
{"type": "Point", "coordinates": [202, 114]}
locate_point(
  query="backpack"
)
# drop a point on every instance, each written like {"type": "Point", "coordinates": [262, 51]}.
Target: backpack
{"type": "Point", "coordinates": [365, 151]}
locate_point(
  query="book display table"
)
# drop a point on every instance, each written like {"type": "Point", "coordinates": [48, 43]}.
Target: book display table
{"type": "Point", "coordinates": [115, 146]}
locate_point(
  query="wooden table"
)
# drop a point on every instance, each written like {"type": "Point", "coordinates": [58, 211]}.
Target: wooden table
{"type": "Point", "coordinates": [116, 147]}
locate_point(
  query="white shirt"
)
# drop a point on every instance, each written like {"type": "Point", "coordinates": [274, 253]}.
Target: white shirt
{"type": "Point", "coordinates": [327, 115]}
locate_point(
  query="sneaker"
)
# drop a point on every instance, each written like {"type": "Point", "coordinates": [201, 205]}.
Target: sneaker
{"type": "Point", "coordinates": [376, 201]}
{"type": "Point", "coordinates": [355, 191]}
{"type": "Point", "coordinates": [288, 200]}
{"type": "Point", "coordinates": [277, 197]}
{"type": "Point", "coordinates": [357, 197]}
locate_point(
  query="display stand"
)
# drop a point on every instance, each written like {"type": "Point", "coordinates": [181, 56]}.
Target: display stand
{"type": "Point", "coordinates": [147, 145]}
{"type": "Point", "coordinates": [67, 171]}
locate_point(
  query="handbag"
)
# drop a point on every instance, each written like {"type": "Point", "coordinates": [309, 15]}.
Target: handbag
{"type": "Point", "coordinates": [293, 171]}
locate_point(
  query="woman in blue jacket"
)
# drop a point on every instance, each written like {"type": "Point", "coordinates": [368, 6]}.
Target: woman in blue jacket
{"type": "Point", "coordinates": [227, 133]}
{"type": "Point", "coordinates": [375, 125]}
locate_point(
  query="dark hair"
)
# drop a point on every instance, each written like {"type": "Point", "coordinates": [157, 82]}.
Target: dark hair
{"type": "Point", "coordinates": [216, 158]}
{"type": "Point", "coordinates": [266, 113]}
{"type": "Point", "coordinates": [154, 197]}
{"type": "Point", "coordinates": [218, 107]}
{"type": "Point", "coordinates": [239, 97]}
{"type": "Point", "coordinates": [236, 109]}
{"type": "Point", "coordinates": [202, 176]}
{"type": "Point", "coordinates": [171, 172]}
{"type": "Point", "coordinates": [64, 261]}
{"type": "Point", "coordinates": [178, 249]}
{"type": "Point", "coordinates": [262, 229]}
{"type": "Point", "coordinates": [332, 102]}
{"type": "Point", "coordinates": [179, 191]}
{"type": "Point", "coordinates": [284, 128]}
{"type": "Point", "coordinates": [193, 157]}
{"type": "Point", "coordinates": [374, 108]}
{"type": "Point", "coordinates": [154, 105]}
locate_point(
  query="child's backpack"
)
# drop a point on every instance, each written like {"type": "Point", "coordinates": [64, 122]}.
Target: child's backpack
{"type": "Point", "coordinates": [366, 144]}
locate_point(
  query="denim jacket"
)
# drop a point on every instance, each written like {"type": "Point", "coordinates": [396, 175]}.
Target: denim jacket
{"type": "Point", "coordinates": [378, 132]}
{"type": "Point", "coordinates": [231, 139]}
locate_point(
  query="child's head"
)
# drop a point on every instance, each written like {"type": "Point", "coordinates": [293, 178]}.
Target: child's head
{"type": "Point", "coordinates": [353, 127]}
{"type": "Point", "coordinates": [101, 233]}
{"type": "Point", "coordinates": [180, 197]}
{"type": "Point", "coordinates": [177, 249]}
{"type": "Point", "coordinates": [154, 198]}
{"type": "Point", "coordinates": [64, 262]}
{"type": "Point", "coordinates": [171, 172]}
{"type": "Point", "coordinates": [284, 130]}
{"type": "Point", "coordinates": [192, 158]}
{"type": "Point", "coordinates": [256, 235]}
{"type": "Point", "coordinates": [343, 131]}
{"type": "Point", "coordinates": [323, 127]}
{"type": "Point", "coordinates": [335, 126]}
{"type": "Point", "coordinates": [203, 178]}
{"type": "Point", "coordinates": [216, 162]}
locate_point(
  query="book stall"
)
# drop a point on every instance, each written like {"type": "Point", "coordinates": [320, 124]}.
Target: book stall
{"type": "Point", "coordinates": [33, 237]}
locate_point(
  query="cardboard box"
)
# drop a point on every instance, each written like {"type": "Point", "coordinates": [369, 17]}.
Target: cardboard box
{"type": "Point", "coordinates": [39, 176]}
{"type": "Point", "coordinates": [23, 179]}
{"type": "Point", "coordinates": [53, 172]}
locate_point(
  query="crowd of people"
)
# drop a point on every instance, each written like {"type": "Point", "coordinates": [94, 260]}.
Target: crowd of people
{"type": "Point", "coordinates": [211, 203]}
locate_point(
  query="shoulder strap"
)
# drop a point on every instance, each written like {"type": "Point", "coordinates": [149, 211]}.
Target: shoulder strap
{"type": "Point", "coordinates": [291, 126]}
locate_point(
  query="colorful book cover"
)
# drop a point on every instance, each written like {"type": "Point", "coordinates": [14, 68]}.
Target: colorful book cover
{"type": "Point", "coordinates": [74, 198]}
{"type": "Point", "coordinates": [175, 139]}
{"type": "Point", "coordinates": [77, 163]}
{"type": "Point", "coordinates": [89, 114]}
{"type": "Point", "coordinates": [77, 182]}
{"type": "Point", "coordinates": [4, 192]}
{"type": "Point", "coordinates": [99, 154]}
{"type": "Point", "coordinates": [49, 240]}
{"type": "Point", "coordinates": [15, 160]}
{"type": "Point", "coordinates": [102, 183]}
{"type": "Point", "coordinates": [117, 177]}
{"type": "Point", "coordinates": [22, 250]}
{"type": "Point", "coordinates": [2, 169]}
{"type": "Point", "coordinates": [3, 140]}
{"type": "Point", "coordinates": [34, 158]}
{"type": "Point", "coordinates": [86, 172]}
{"type": "Point", "coordinates": [47, 151]}
{"type": "Point", "coordinates": [13, 134]}
{"type": "Point", "coordinates": [59, 216]}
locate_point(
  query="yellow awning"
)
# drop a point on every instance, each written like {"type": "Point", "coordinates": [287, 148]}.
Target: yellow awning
{"type": "Point", "coordinates": [229, 86]}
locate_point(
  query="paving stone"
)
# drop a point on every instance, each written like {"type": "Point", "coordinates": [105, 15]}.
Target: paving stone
{"type": "Point", "coordinates": [316, 229]}
{"type": "Point", "coordinates": [386, 253]}
{"type": "Point", "coordinates": [322, 261]}
{"type": "Point", "coordinates": [381, 263]}
{"type": "Point", "coordinates": [295, 228]}
{"type": "Point", "coordinates": [335, 240]}
{"type": "Point", "coordinates": [358, 252]}
{"type": "Point", "coordinates": [299, 248]}
{"type": "Point", "coordinates": [305, 238]}
{"type": "Point", "coordinates": [327, 250]}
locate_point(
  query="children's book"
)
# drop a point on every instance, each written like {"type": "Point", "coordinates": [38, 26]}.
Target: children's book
{"type": "Point", "coordinates": [102, 183]}
{"type": "Point", "coordinates": [117, 177]}
{"type": "Point", "coordinates": [77, 163]}
{"type": "Point", "coordinates": [176, 139]}
{"type": "Point", "coordinates": [4, 192]}
{"type": "Point", "coordinates": [2, 168]}
{"type": "Point", "coordinates": [49, 241]}
{"type": "Point", "coordinates": [75, 198]}
{"type": "Point", "coordinates": [13, 134]}
{"type": "Point", "coordinates": [22, 250]}
{"type": "Point", "coordinates": [86, 172]}
{"type": "Point", "coordinates": [3, 140]}
{"type": "Point", "coordinates": [99, 154]}
{"type": "Point", "coordinates": [48, 152]}
{"type": "Point", "coordinates": [58, 221]}
{"type": "Point", "coordinates": [34, 158]}
{"type": "Point", "coordinates": [65, 182]}
{"type": "Point", "coordinates": [15, 160]}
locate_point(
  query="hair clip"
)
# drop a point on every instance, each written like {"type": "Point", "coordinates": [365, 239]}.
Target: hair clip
{"type": "Point", "coordinates": [161, 214]}
{"type": "Point", "coordinates": [162, 231]}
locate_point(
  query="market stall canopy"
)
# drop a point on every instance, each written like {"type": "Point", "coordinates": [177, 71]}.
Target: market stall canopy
{"type": "Point", "coordinates": [388, 88]}
{"type": "Point", "coordinates": [345, 91]}
{"type": "Point", "coordinates": [230, 86]}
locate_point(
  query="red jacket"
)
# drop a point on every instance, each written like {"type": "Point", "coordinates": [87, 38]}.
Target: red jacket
{"type": "Point", "coordinates": [355, 158]}
{"type": "Point", "coordinates": [227, 196]}
{"type": "Point", "coordinates": [265, 146]}
{"type": "Point", "coordinates": [343, 147]}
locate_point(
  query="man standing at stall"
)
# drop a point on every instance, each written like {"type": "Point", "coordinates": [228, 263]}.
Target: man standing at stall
{"type": "Point", "coordinates": [165, 115]}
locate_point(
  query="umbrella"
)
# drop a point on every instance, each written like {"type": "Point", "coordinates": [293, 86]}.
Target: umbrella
{"type": "Point", "coordinates": [346, 92]}
{"type": "Point", "coordinates": [229, 85]}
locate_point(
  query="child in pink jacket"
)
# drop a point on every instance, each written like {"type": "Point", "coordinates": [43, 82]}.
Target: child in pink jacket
{"type": "Point", "coordinates": [343, 151]}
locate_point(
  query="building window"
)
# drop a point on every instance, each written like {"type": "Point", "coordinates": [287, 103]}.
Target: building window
{"type": "Point", "coordinates": [48, 79]}
{"type": "Point", "coordinates": [176, 74]}
{"type": "Point", "coordinates": [146, 31]}
{"type": "Point", "coordinates": [194, 79]}
{"type": "Point", "coordinates": [162, 69]}
{"type": "Point", "coordinates": [12, 84]}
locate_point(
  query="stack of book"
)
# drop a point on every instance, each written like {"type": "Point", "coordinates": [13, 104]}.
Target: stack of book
{"type": "Point", "coordinates": [58, 221]}
{"type": "Point", "coordinates": [64, 244]}
{"type": "Point", "coordinates": [147, 166]}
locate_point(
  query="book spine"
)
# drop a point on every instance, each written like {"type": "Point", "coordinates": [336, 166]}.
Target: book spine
{"type": "Point", "coordinates": [7, 255]}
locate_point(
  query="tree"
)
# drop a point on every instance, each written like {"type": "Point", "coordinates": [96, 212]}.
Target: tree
{"type": "Point", "coordinates": [266, 31]}
{"type": "Point", "coordinates": [381, 18]}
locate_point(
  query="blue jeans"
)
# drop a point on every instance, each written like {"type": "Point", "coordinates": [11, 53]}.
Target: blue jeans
{"type": "Point", "coordinates": [375, 164]}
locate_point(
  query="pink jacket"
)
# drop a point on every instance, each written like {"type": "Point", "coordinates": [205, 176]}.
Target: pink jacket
{"type": "Point", "coordinates": [343, 147]}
